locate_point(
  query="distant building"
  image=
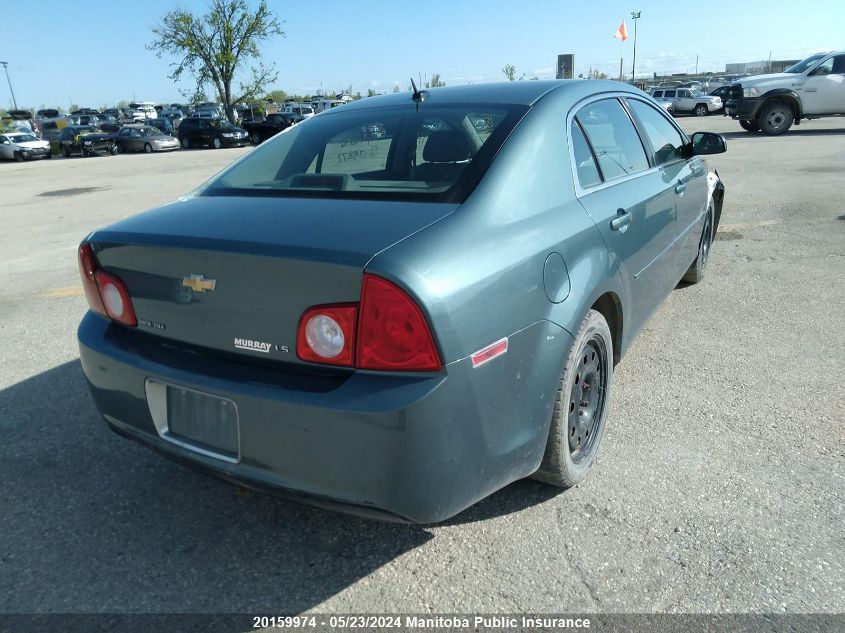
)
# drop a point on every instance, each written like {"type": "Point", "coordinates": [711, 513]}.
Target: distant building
{"type": "Point", "coordinates": [756, 68]}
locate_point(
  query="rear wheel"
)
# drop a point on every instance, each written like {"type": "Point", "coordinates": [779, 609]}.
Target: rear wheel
{"type": "Point", "coordinates": [776, 118]}
{"type": "Point", "coordinates": [19, 157]}
{"type": "Point", "coordinates": [697, 268]}
{"type": "Point", "coordinates": [186, 144]}
{"type": "Point", "coordinates": [749, 126]}
{"type": "Point", "coordinates": [701, 110]}
{"type": "Point", "coordinates": [580, 411]}
{"type": "Point", "coordinates": [256, 138]}
{"type": "Point", "coordinates": [148, 148]}
{"type": "Point", "coordinates": [217, 143]}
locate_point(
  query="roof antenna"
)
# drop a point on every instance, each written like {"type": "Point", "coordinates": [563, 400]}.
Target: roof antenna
{"type": "Point", "coordinates": [419, 95]}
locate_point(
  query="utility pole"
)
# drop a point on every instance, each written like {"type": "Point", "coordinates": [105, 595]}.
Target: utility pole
{"type": "Point", "coordinates": [635, 15]}
{"type": "Point", "coordinates": [5, 64]}
{"type": "Point", "coordinates": [696, 63]}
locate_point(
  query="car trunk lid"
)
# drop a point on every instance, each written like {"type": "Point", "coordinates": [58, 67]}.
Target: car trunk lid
{"type": "Point", "coordinates": [235, 274]}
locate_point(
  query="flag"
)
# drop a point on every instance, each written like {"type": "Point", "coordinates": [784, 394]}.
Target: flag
{"type": "Point", "coordinates": [621, 32]}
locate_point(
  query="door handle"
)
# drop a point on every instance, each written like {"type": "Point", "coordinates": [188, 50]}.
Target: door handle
{"type": "Point", "coordinates": [680, 187]}
{"type": "Point", "coordinates": [623, 218]}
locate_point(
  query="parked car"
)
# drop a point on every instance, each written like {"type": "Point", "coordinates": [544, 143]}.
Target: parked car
{"type": "Point", "coordinates": [48, 113]}
{"type": "Point", "coordinates": [143, 111]}
{"type": "Point", "coordinates": [85, 140]}
{"type": "Point", "coordinates": [164, 125]}
{"type": "Point", "coordinates": [302, 109]}
{"type": "Point", "coordinates": [401, 333]}
{"type": "Point", "coordinates": [274, 123]}
{"type": "Point", "coordinates": [22, 146]}
{"type": "Point", "coordinates": [214, 133]}
{"type": "Point", "coordinates": [144, 139]}
{"type": "Point", "coordinates": [810, 89]}
{"type": "Point", "coordinates": [721, 92]}
{"type": "Point", "coordinates": [687, 100]}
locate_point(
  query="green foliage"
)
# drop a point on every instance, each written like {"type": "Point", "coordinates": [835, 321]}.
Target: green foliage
{"type": "Point", "coordinates": [216, 47]}
{"type": "Point", "coordinates": [510, 71]}
{"type": "Point", "coordinates": [435, 82]}
{"type": "Point", "coordinates": [278, 96]}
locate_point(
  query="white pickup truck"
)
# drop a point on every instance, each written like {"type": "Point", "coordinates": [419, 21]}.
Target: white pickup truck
{"type": "Point", "coordinates": [812, 88]}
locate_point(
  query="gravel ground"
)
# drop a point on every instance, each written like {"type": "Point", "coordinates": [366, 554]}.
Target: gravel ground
{"type": "Point", "coordinates": [720, 486]}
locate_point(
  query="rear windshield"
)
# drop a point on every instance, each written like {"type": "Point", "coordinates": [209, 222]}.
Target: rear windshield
{"type": "Point", "coordinates": [393, 152]}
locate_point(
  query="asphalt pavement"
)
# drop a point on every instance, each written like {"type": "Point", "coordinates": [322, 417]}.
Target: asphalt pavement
{"type": "Point", "coordinates": [720, 485]}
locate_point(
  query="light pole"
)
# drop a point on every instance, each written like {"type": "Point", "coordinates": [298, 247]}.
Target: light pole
{"type": "Point", "coordinates": [635, 15]}
{"type": "Point", "coordinates": [5, 64]}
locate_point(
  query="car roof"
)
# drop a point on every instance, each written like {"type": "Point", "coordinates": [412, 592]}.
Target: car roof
{"type": "Point", "coordinates": [506, 92]}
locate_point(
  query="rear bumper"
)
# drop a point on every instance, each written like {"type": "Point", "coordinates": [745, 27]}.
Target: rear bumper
{"type": "Point", "coordinates": [413, 447]}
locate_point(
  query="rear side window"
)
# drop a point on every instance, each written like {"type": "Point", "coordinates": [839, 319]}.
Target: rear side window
{"type": "Point", "coordinates": [658, 93]}
{"type": "Point", "coordinates": [585, 164]}
{"type": "Point", "coordinates": [666, 141]}
{"type": "Point", "coordinates": [614, 139]}
{"type": "Point", "coordinates": [669, 94]}
{"type": "Point", "coordinates": [431, 152]}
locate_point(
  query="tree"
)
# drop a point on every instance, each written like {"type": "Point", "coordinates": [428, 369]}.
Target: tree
{"type": "Point", "coordinates": [396, 88]}
{"type": "Point", "coordinates": [278, 96]}
{"type": "Point", "coordinates": [371, 92]}
{"type": "Point", "coordinates": [214, 48]}
{"type": "Point", "coordinates": [435, 81]}
{"type": "Point", "coordinates": [510, 71]}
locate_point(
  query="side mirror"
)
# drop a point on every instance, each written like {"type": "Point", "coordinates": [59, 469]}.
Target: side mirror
{"type": "Point", "coordinates": [708, 143]}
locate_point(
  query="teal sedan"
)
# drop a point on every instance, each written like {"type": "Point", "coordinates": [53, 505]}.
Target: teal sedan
{"type": "Point", "coordinates": [400, 324]}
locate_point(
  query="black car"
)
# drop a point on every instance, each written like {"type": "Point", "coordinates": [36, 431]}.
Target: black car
{"type": "Point", "coordinates": [85, 140]}
{"type": "Point", "coordinates": [214, 133]}
{"type": "Point", "coordinates": [274, 123]}
{"type": "Point", "coordinates": [721, 92]}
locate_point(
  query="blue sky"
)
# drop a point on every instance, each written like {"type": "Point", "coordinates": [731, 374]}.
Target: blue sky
{"type": "Point", "coordinates": [93, 54]}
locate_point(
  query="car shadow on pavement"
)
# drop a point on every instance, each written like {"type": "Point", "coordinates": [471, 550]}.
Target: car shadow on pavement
{"type": "Point", "coordinates": [94, 523]}
{"type": "Point", "coordinates": [740, 134]}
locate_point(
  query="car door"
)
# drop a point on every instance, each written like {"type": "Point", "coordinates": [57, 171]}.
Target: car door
{"type": "Point", "coordinates": [204, 132]}
{"type": "Point", "coordinates": [671, 95]}
{"type": "Point", "coordinates": [136, 141]}
{"type": "Point", "coordinates": [687, 175]}
{"type": "Point", "coordinates": [630, 201]}
{"type": "Point", "coordinates": [123, 139]}
{"type": "Point", "coordinates": [824, 87]}
{"type": "Point", "coordinates": [685, 100]}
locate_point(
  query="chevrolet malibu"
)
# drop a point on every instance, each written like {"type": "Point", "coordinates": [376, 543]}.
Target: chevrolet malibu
{"type": "Point", "coordinates": [399, 326]}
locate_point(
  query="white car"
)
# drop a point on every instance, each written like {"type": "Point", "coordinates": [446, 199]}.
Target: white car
{"type": "Point", "coordinates": [302, 109]}
{"type": "Point", "coordinates": [22, 146]}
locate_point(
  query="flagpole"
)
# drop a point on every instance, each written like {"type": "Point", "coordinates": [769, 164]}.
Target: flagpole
{"type": "Point", "coordinates": [621, 56]}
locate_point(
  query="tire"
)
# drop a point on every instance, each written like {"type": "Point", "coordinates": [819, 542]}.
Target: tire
{"type": "Point", "coordinates": [148, 148]}
{"type": "Point", "coordinates": [48, 155]}
{"type": "Point", "coordinates": [701, 110]}
{"type": "Point", "coordinates": [216, 143]}
{"type": "Point", "coordinates": [256, 138]}
{"type": "Point", "coordinates": [749, 126]}
{"type": "Point", "coordinates": [82, 151]}
{"type": "Point", "coordinates": [776, 118]}
{"type": "Point", "coordinates": [19, 157]}
{"type": "Point", "coordinates": [576, 431]}
{"type": "Point", "coordinates": [65, 151]}
{"type": "Point", "coordinates": [697, 269]}
{"type": "Point", "coordinates": [186, 143]}
{"type": "Point", "coordinates": [113, 150]}
{"type": "Point", "coordinates": [120, 149]}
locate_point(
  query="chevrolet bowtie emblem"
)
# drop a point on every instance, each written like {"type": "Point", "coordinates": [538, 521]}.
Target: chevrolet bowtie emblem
{"type": "Point", "coordinates": [199, 283]}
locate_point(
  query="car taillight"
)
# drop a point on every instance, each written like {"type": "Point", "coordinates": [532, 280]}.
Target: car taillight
{"type": "Point", "coordinates": [393, 333]}
{"type": "Point", "coordinates": [87, 270]}
{"type": "Point", "coordinates": [327, 335]}
{"type": "Point", "coordinates": [106, 293]}
{"type": "Point", "coordinates": [387, 331]}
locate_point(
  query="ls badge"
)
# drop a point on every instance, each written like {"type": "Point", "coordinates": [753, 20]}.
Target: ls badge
{"type": "Point", "coordinates": [198, 283]}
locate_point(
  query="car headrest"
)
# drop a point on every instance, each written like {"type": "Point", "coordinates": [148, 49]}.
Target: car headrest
{"type": "Point", "coordinates": [447, 146]}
